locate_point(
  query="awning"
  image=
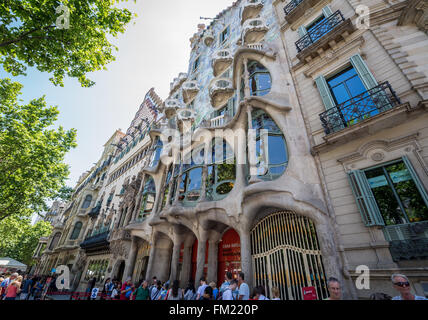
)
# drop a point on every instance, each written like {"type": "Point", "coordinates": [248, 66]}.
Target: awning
{"type": "Point", "coordinates": [10, 263]}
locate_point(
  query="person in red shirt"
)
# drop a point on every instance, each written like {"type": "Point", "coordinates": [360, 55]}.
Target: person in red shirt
{"type": "Point", "coordinates": [126, 290]}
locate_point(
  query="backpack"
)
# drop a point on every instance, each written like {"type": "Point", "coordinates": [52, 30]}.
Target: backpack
{"type": "Point", "coordinates": [128, 294]}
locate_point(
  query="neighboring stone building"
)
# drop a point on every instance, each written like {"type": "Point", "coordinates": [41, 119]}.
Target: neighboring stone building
{"type": "Point", "coordinates": [299, 142]}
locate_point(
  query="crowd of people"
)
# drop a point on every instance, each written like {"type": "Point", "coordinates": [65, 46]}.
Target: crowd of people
{"type": "Point", "coordinates": [25, 287]}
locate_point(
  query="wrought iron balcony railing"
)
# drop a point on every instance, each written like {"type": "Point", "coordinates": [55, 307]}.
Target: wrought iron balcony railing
{"type": "Point", "coordinates": [320, 30]}
{"type": "Point", "coordinates": [293, 4]}
{"type": "Point", "coordinates": [359, 108]}
{"type": "Point", "coordinates": [96, 240]}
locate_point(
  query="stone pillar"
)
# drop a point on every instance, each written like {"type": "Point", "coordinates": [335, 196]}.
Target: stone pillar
{"type": "Point", "coordinates": [174, 261]}
{"type": "Point", "coordinates": [212, 261]}
{"type": "Point", "coordinates": [150, 264]}
{"type": "Point", "coordinates": [187, 262]}
{"type": "Point", "coordinates": [246, 259]}
{"type": "Point", "coordinates": [130, 263]}
{"type": "Point", "coordinates": [200, 262]}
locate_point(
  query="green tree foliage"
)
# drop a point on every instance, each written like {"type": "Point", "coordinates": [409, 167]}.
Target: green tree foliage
{"type": "Point", "coordinates": [19, 238]}
{"type": "Point", "coordinates": [64, 194]}
{"type": "Point", "coordinates": [30, 36]}
{"type": "Point", "coordinates": [31, 153]}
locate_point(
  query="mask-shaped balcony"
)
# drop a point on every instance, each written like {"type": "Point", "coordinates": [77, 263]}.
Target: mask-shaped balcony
{"type": "Point", "coordinates": [222, 59]}
{"type": "Point", "coordinates": [171, 106]}
{"type": "Point", "coordinates": [190, 90]}
{"type": "Point", "coordinates": [178, 81]}
{"type": "Point", "coordinates": [254, 30]}
{"type": "Point", "coordinates": [221, 90]}
{"type": "Point", "coordinates": [208, 38]}
{"type": "Point", "coordinates": [251, 9]}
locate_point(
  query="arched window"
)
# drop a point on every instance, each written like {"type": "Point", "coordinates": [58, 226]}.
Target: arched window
{"type": "Point", "coordinates": [55, 240]}
{"type": "Point", "coordinates": [157, 152]}
{"type": "Point", "coordinates": [189, 189]}
{"type": "Point", "coordinates": [148, 200]}
{"type": "Point", "coordinates": [274, 160]}
{"type": "Point", "coordinates": [87, 202]}
{"type": "Point", "coordinates": [259, 79]}
{"type": "Point", "coordinates": [76, 231]}
{"type": "Point", "coordinates": [221, 171]}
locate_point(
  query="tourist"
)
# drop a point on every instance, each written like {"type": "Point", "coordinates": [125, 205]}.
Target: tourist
{"type": "Point", "coordinates": [13, 289]}
{"type": "Point", "coordinates": [164, 291]}
{"type": "Point", "coordinates": [229, 293]}
{"type": "Point", "coordinates": [260, 293]}
{"type": "Point", "coordinates": [90, 286]}
{"type": "Point", "coordinates": [175, 293]}
{"type": "Point", "coordinates": [334, 288]}
{"type": "Point", "coordinates": [244, 289]}
{"type": "Point", "coordinates": [153, 285]}
{"type": "Point", "coordinates": [190, 292]}
{"type": "Point", "coordinates": [142, 292]}
{"type": "Point", "coordinates": [226, 283]}
{"type": "Point", "coordinates": [155, 293]}
{"type": "Point", "coordinates": [275, 293]}
{"type": "Point", "coordinates": [127, 289]}
{"type": "Point", "coordinates": [115, 295]}
{"type": "Point", "coordinates": [208, 293]}
{"type": "Point", "coordinates": [402, 284]}
{"type": "Point", "coordinates": [105, 292]}
{"type": "Point", "coordinates": [5, 283]}
{"type": "Point", "coordinates": [215, 290]}
{"type": "Point", "coordinates": [38, 289]}
{"type": "Point", "coordinates": [201, 288]}
{"type": "Point", "coordinates": [26, 288]}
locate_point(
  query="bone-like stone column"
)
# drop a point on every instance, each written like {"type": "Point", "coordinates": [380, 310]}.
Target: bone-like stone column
{"type": "Point", "coordinates": [150, 264]}
{"type": "Point", "coordinates": [246, 259]}
{"type": "Point", "coordinates": [212, 261]}
{"type": "Point", "coordinates": [200, 262]}
{"type": "Point", "coordinates": [130, 263]}
{"type": "Point", "coordinates": [174, 260]}
{"type": "Point", "coordinates": [185, 268]}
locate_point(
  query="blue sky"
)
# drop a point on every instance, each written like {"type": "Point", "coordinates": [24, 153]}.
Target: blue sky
{"type": "Point", "coordinates": [152, 52]}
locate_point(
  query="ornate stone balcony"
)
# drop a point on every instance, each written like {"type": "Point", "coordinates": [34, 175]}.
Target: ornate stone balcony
{"type": "Point", "coordinates": [190, 90]}
{"type": "Point", "coordinates": [222, 59]}
{"type": "Point", "coordinates": [297, 8]}
{"type": "Point", "coordinates": [177, 82]}
{"type": "Point", "coordinates": [171, 107]}
{"type": "Point", "coordinates": [254, 30]}
{"type": "Point", "coordinates": [221, 90]}
{"type": "Point", "coordinates": [251, 9]}
{"type": "Point", "coordinates": [324, 36]}
{"type": "Point", "coordinates": [97, 241]}
{"type": "Point", "coordinates": [208, 38]}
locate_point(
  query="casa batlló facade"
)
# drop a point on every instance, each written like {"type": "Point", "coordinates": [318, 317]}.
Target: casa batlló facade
{"type": "Point", "coordinates": [293, 149]}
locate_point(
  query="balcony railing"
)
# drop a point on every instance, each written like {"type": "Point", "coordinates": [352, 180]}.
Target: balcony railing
{"type": "Point", "coordinates": [291, 6]}
{"type": "Point", "coordinates": [96, 240]}
{"type": "Point", "coordinates": [320, 30]}
{"type": "Point", "coordinates": [361, 107]}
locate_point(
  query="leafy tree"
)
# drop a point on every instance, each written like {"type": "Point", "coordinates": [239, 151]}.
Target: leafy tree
{"type": "Point", "coordinates": [19, 238]}
{"type": "Point", "coordinates": [34, 33]}
{"type": "Point", "coordinates": [31, 153]}
{"type": "Point", "coordinates": [64, 194]}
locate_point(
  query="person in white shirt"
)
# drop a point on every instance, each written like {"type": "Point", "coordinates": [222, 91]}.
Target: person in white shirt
{"type": "Point", "coordinates": [260, 293]}
{"type": "Point", "coordinates": [244, 290]}
{"type": "Point", "coordinates": [201, 288]}
{"type": "Point", "coordinates": [228, 293]}
{"type": "Point", "coordinates": [402, 284]}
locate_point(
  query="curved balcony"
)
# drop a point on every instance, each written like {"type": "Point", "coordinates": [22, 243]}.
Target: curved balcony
{"type": "Point", "coordinates": [221, 90]}
{"type": "Point", "coordinates": [208, 38]}
{"type": "Point", "coordinates": [251, 10]}
{"type": "Point", "coordinates": [190, 90]}
{"type": "Point", "coordinates": [177, 82]}
{"type": "Point", "coordinates": [171, 107]}
{"type": "Point", "coordinates": [186, 114]}
{"type": "Point", "coordinates": [222, 59]}
{"type": "Point", "coordinates": [254, 30]}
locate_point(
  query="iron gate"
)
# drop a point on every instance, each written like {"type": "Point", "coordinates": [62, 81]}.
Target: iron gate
{"type": "Point", "coordinates": [285, 254]}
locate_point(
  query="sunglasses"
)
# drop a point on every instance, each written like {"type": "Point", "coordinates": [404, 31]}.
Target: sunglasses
{"type": "Point", "coordinates": [402, 284]}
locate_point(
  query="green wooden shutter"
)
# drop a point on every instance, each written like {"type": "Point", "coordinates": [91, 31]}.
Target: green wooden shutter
{"type": "Point", "coordinates": [363, 71]}
{"type": "Point", "coordinates": [324, 90]}
{"type": "Point", "coordinates": [416, 179]}
{"type": "Point", "coordinates": [327, 11]}
{"type": "Point", "coordinates": [365, 199]}
{"type": "Point", "coordinates": [302, 31]}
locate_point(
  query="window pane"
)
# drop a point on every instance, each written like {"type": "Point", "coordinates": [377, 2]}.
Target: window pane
{"type": "Point", "coordinates": [385, 199]}
{"type": "Point", "coordinates": [195, 179]}
{"type": "Point", "coordinates": [407, 191]}
{"type": "Point", "coordinates": [277, 150]}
